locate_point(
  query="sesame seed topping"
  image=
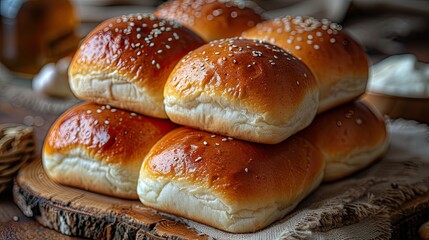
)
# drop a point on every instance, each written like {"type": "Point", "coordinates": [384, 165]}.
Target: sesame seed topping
{"type": "Point", "coordinates": [297, 83]}
{"type": "Point", "coordinates": [349, 114]}
{"type": "Point", "coordinates": [246, 170]}
{"type": "Point", "coordinates": [198, 159]}
{"type": "Point", "coordinates": [106, 122]}
{"type": "Point", "coordinates": [99, 110]}
{"type": "Point", "coordinates": [332, 40]}
{"type": "Point", "coordinates": [339, 123]}
{"type": "Point", "coordinates": [217, 12]}
{"type": "Point", "coordinates": [358, 121]}
{"type": "Point", "coordinates": [297, 47]}
{"type": "Point", "coordinates": [205, 143]}
{"type": "Point", "coordinates": [217, 144]}
{"type": "Point", "coordinates": [224, 139]}
{"type": "Point", "coordinates": [213, 136]}
{"type": "Point", "coordinates": [317, 47]}
{"type": "Point", "coordinates": [158, 66]}
{"type": "Point", "coordinates": [256, 53]}
{"type": "Point", "coordinates": [113, 110]}
{"type": "Point", "coordinates": [217, 53]}
{"type": "Point", "coordinates": [133, 114]}
{"type": "Point", "coordinates": [89, 112]}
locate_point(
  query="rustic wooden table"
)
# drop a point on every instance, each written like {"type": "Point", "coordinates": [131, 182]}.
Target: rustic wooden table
{"type": "Point", "coordinates": [18, 104]}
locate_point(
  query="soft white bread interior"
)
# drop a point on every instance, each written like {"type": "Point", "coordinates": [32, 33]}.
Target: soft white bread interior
{"type": "Point", "coordinates": [246, 89]}
{"type": "Point", "coordinates": [213, 19]}
{"type": "Point", "coordinates": [350, 137]}
{"type": "Point", "coordinates": [100, 148]}
{"type": "Point", "coordinates": [338, 62]}
{"type": "Point", "coordinates": [125, 61]}
{"type": "Point", "coordinates": [232, 185]}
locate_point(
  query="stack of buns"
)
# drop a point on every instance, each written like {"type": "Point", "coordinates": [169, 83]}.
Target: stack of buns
{"type": "Point", "coordinates": [243, 143]}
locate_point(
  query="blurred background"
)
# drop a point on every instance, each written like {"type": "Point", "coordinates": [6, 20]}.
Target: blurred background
{"type": "Point", "coordinates": [36, 32]}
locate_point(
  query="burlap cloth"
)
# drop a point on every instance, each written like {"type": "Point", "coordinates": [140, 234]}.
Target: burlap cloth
{"type": "Point", "coordinates": [361, 206]}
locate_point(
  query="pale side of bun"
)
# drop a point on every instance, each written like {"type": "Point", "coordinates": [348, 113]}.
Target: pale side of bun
{"type": "Point", "coordinates": [350, 137]}
{"type": "Point", "coordinates": [100, 148]}
{"type": "Point", "coordinates": [212, 19]}
{"type": "Point", "coordinates": [338, 62]}
{"type": "Point", "coordinates": [125, 61]}
{"type": "Point", "coordinates": [232, 185]}
{"type": "Point", "coordinates": [242, 88]}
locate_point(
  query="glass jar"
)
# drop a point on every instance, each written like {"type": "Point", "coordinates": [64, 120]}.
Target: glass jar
{"type": "Point", "coordinates": [36, 32]}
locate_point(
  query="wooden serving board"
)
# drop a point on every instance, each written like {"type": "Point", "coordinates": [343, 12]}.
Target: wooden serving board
{"type": "Point", "coordinates": [80, 213]}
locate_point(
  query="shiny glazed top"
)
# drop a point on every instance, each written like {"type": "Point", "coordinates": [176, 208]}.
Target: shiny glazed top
{"type": "Point", "coordinates": [107, 134]}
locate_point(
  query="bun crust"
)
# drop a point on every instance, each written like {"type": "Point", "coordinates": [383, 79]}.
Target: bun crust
{"type": "Point", "coordinates": [242, 88]}
{"type": "Point", "coordinates": [125, 61]}
{"type": "Point", "coordinates": [338, 62]}
{"type": "Point", "coordinates": [350, 138]}
{"type": "Point", "coordinates": [232, 185]}
{"type": "Point", "coordinates": [212, 19]}
{"type": "Point", "coordinates": [100, 148]}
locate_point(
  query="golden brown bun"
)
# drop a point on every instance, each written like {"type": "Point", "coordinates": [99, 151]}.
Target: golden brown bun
{"type": "Point", "coordinates": [338, 62]}
{"type": "Point", "coordinates": [350, 137]}
{"type": "Point", "coordinates": [242, 88]}
{"type": "Point", "coordinates": [100, 148]}
{"type": "Point", "coordinates": [212, 19]}
{"type": "Point", "coordinates": [229, 184]}
{"type": "Point", "coordinates": [125, 62]}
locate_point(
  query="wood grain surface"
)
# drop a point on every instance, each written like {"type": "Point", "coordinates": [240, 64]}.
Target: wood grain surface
{"type": "Point", "coordinates": [85, 214]}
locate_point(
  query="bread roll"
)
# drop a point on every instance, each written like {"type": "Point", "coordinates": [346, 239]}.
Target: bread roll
{"type": "Point", "coordinates": [350, 137]}
{"type": "Point", "coordinates": [338, 62]}
{"type": "Point", "coordinates": [242, 88]}
{"type": "Point", "coordinates": [212, 19]}
{"type": "Point", "coordinates": [125, 61]}
{"type": "Point", "coordinates": [232, 185]}
{"type": "Point", "coordinates": [100, 148]}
